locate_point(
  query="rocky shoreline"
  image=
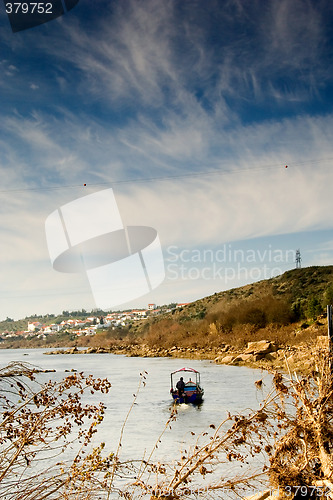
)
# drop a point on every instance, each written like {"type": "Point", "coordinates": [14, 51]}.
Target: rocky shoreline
{"type": "Point", "coordinates": [263, 354]}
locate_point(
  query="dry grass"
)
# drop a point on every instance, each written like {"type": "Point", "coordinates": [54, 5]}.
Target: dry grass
{"type": "Point", "coordinates": [292, 432]}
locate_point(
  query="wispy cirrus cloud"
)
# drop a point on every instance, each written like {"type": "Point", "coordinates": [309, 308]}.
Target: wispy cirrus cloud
{"type": "Point", "coordinates": [153, 58]}
{"type": "Point", "coordinates": [171, 90]}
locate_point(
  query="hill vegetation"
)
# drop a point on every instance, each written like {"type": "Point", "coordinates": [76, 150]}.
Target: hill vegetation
{"type": "Point", "coordinates": [275, 306]}
{"type": "Point", "coordinates": [284, 309]}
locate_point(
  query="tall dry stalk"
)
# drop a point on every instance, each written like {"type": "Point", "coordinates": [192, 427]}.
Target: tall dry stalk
{"type": "Point", "coordinates": [287, 444]}
{"type": "Point", "coordinates": [292, 432]}
{"type": "Point", "coordinates": [37, 425]}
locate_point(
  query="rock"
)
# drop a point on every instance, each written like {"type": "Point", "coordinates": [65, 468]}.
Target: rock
{"type": "Point", "coordinates": [91, 350]}
{"type": "Point", "coordinates": [244, 357]}
{"type": "Point", "coordinates": [227, 359]}
{"type": "Point", "coordinates": [36, 370]}
{"type": "Point", "coordinates": [101, 350]}
{"type": "Point", "coordinates": [260, 347]}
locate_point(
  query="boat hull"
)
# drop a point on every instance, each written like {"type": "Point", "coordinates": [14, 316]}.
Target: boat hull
{"type": "Point", "coordinates": [187, 398]}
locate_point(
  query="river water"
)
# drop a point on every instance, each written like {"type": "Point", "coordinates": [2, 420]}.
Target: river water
{"type": "Point", "coordinates": [227, 388]}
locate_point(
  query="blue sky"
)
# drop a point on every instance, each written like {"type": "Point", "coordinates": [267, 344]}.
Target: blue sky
{"type": "Point", "coordinates": [190, 111]}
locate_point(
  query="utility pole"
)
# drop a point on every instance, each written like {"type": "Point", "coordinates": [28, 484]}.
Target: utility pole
{"type": "Point", "coordinates": [298, 259]}
{"type": "Point", "coordinates": [330, 326]}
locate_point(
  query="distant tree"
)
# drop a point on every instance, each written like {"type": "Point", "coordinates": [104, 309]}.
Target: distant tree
{"type": "Point", "coordinates": [99, 312]}
{"type": "Point", "coordinates": [314, 307]}
{"type": "Point", "coordinates": [328, 296]}
{"type": "Point", "coordinates": [297, 310]}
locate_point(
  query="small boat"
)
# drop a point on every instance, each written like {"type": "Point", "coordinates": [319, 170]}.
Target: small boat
{"type": "Point", "coordinates": [193, 392]}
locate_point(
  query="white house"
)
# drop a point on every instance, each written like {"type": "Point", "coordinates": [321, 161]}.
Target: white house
{"type": "Point", "coordinates": [34, 326]}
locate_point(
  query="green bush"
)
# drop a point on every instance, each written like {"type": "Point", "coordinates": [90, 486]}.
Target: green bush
{"type": "Point", "coordinates": [314, 307]}
{"type": "Point", "coordinates": [328, 296]}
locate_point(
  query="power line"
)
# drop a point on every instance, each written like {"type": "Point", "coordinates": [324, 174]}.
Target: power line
{"type": "Point", "coordinates": [169, 177]}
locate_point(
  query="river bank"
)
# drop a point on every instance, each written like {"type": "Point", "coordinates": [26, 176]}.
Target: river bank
{"type": "Point", "coordinates": [264, 354]}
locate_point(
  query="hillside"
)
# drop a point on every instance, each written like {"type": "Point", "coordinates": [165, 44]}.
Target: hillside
{"type": "Point", "coordinates": [274, 307]}
{"type": "Point", "coordinates": [267, 325]}
{"type": "Point", "coordinates": [292, 286]}
{"type": "Point", "coordinates": [284, 309]}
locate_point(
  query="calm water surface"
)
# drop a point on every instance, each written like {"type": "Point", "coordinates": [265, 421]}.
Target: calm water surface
{"type": "Point", "coordinates": [227, 388]}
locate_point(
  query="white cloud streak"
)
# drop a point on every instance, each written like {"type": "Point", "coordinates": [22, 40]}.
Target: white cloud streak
{"type": "Point", "coordinates": [172, 105]}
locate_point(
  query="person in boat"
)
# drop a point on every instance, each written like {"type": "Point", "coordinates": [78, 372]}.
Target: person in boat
{"type": "Point", "coordinates": [180, 386]}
